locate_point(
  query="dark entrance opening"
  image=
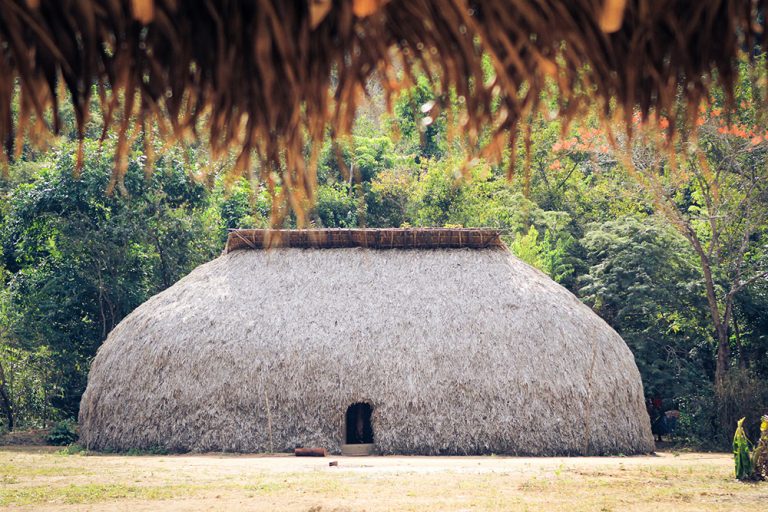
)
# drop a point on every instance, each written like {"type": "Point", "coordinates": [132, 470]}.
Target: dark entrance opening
{"type": "Point", "coordinates": [359, 428]}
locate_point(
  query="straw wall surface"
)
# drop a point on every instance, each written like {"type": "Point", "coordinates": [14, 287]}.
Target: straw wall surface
{"type": "Point", "coordinates": [459, 351]}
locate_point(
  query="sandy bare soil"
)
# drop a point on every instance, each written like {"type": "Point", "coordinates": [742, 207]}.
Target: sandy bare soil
{"type": "Point", "coordinates": [36, 478]}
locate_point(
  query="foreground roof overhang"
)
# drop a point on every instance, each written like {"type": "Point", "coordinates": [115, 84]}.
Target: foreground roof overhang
{"type": "Point", "coordinates": [267, 79]}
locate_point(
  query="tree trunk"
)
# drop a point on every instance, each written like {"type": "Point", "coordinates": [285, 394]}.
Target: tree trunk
{"type": "Point", "coordinates": [720, 320]}
{"type": "Point", "coordinates": [5, 400]}
{"type": "Point", "coordinates": [723, 355]}
{"type": "Point", "coordinates": [743, 358]}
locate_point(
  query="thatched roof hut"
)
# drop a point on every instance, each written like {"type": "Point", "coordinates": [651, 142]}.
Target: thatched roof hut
{"type": "Point", "coordinates": [427, 341]}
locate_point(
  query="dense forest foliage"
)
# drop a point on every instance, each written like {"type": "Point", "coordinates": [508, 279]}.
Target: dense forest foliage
{"type": "Point", "coordinates": [667, 241]}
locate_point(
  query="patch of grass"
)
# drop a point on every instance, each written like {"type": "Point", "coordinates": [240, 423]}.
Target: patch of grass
{"type": "Point", "coordinates": [295, 483]}
{"type": "Point", "coordinates": [42, 479]}
{"type": "Point", "coordinates": [88, 493]}
{"type": "Point", "coordinates": [8, 479]}
{"type": "Point", "coordinates": [73, 449]}
{"type": "Point", "coordinates": [13, 471]}
{"type": "Point", "coordinates": [152, 450]}
{"type": "Point", "coordinates": [100, 493]}
{"type": "Point", "coordinates": [136, 452]}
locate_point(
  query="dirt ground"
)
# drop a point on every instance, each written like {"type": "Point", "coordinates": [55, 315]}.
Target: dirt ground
{"type": "Point", "coordinates": [40, 478]}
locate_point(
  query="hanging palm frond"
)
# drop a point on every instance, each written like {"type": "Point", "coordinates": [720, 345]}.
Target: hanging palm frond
{"type": "Point", "coordinates": [268, 76]}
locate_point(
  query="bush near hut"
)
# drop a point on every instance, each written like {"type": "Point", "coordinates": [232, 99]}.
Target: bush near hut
{"type": "Point", "coordinates": [63, 433]}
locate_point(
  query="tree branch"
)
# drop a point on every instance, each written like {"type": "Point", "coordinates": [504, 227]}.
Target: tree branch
{"type": "Point", "coordinates": [737, 287]}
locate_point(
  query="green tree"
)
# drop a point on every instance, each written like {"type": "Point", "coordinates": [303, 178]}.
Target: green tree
{"type": "Point", "coordinates": [422, 131]}
{"type": "Point", "coordinates": [713, 190]}
{"type": "Point", "coordinates": [80, 260]}
{"type": "Point", "coordinates": [337, 206]}
{"type": "Point", "coordinates": [643, 280]}
{"type": "Point", "coordinates": [388, 199]}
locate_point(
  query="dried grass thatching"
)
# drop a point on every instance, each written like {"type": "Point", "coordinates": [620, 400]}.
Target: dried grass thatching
{"type": "Point", "coordinates": [390, 238]}
{"type": "Point", "coordinates": [269, 75]}
{"type": "Point", "coordinates": [462, 351]}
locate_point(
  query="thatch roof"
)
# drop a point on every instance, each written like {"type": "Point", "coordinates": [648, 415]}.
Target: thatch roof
{"type": "Point", "coordinates": [269, 75]}
{"type": "Point", "coordinates": [462, 351]}
{"type": "Point", "coordinates": [389, 238]}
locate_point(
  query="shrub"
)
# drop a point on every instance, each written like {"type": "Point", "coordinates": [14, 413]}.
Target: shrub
{"type": "Point", "coordinates": [698, 424]}
{"type": "Point", "coordinates": [152, 450]}
{"type": "Point", "coordinates": [63, 433]}
{"type": "Point", "coordinates": [73, 449]}
{"type": "Point", "coordinates": [708, 415]}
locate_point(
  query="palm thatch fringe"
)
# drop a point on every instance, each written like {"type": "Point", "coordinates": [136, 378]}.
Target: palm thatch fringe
{"type": "Point", "coordinates": [267, 75]}
{"type": "Point", "coordinates": [457, 351]}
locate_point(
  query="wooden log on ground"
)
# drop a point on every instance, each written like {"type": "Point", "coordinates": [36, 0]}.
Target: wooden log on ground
{"type": "Point", "coordinates": [309, 452]}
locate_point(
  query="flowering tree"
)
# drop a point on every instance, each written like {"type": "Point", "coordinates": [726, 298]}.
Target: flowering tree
{"type": "Point", "coordinates": [712, 187]}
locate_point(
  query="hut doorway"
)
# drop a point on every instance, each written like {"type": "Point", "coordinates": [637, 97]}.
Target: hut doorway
{"type": "Point", "coordinates": [359, 429]}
